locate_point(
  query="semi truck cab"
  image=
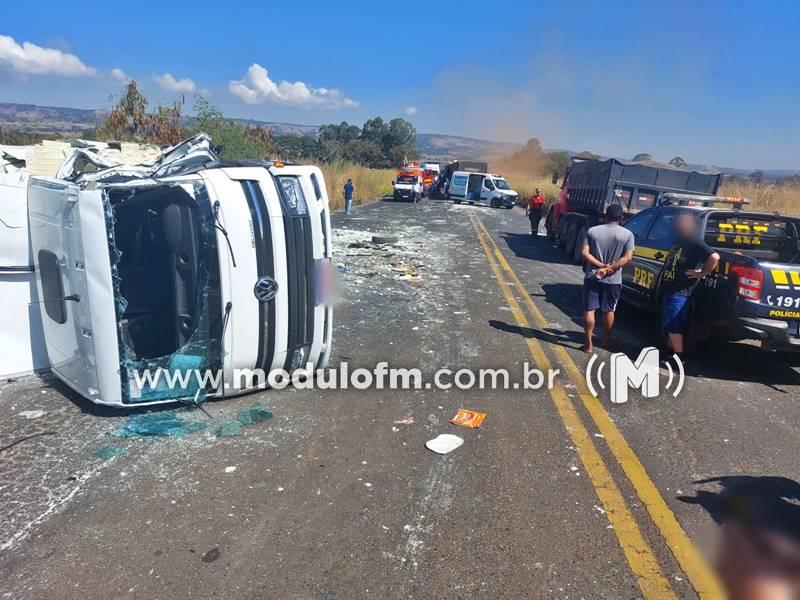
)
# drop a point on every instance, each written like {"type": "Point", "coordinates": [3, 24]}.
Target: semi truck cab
{"type": "Point", "coordinates": [189, 265]}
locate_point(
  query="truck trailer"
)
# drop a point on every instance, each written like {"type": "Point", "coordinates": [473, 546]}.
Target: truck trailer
{"type": "Point", "coordinates": [590, 186]}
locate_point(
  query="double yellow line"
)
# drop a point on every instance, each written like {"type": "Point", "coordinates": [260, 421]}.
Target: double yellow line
{"type": "Point", "coordinates": [637, 550]}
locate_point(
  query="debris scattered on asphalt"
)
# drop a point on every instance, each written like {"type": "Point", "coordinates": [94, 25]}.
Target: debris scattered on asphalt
{"type": "Point", "coordinates": [406, 421]}
{"type": "Point", "coordinates": [109, 452]}
{"type": "Point", "coordinates": [211, 555]}
{"type": "Point", "coordinates": [230, 469]}
{"type": "Point", "coordinates": [384, 239]}
{"type": "Point", "coordinates": [468, 418]}
{"type": "Point", "coordinates": [30, 414]}
{"type": "Point", "coordinates": [165, 424]}
{"type": "Point", "coordinates": [444, 443]}
{"type": "Point", "coordinates": [249, 416]}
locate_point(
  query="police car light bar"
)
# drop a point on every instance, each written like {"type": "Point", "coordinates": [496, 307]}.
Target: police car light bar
{"type": "Point", "coordinates": [688, 199]}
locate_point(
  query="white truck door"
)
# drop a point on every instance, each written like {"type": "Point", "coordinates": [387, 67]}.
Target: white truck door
{"type": "Point", "coordinates": [73, 278]}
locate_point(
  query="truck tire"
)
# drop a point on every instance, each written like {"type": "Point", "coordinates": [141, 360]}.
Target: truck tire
{"type": "Point", "coordinates": [572, 233]}
{"type": "Point", "coordinates": [494, 203]}
{"type": "Point", "coordinates": [561, 233]}
{"type": "Point", "coordinates": [548, 224]}
{"type": "Point", "coordinates": [577, 251]}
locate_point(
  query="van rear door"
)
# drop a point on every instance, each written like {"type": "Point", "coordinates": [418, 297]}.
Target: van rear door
{"type": "Point", "coordinates": [69, 244]}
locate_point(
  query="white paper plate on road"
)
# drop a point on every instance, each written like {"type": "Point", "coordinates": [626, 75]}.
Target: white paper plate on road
{"type": "Point", "coordinates": [444, 443]}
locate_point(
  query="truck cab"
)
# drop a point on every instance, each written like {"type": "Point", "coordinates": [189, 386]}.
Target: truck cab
{"type": "Point", "coordinates": [407, 186]}
{"type": "Point", "coordinates": [188, 265]}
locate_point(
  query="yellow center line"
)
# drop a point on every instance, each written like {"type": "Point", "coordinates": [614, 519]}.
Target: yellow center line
{"type": "Point", "coordinates": [697, 570]}
{"type": "Point", "coordinates": [638, 552]}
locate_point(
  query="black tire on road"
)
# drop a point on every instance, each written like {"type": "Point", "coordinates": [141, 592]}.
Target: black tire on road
{"type": "Point", "coordinates": [562, 231]}
{"type": "Point", "coordinates": [569, 244]}
{"type": "Point", "coordinates": [577, 251]}
{"type": "Point", "coordinates": [494, 203]}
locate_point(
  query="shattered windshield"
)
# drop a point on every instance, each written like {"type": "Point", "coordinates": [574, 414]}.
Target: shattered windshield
{"type": "Point", "coordinates": [165, 270]}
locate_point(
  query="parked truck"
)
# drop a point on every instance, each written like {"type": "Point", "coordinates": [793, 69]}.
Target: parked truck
{"type": "Point", "coordinates": [590, 186]}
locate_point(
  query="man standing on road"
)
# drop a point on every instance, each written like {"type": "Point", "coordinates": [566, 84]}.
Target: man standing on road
{"type": "Point", "coordinates": [606, 249]}
{"type": "Point", "coordinates": [534, 211]}
{"type": "Point", "coordinates": [348, 196]}
{"type": "Point", "coordinates": [689, 261]}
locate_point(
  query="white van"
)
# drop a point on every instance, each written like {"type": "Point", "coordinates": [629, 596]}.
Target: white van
{"type": "Point", "coordinates": [481, 188]}
{"type": "Point", "coordinates": [188, 265]}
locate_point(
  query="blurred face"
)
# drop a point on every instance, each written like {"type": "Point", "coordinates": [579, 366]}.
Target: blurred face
{"type": "Point", "coordinates": [685, 225]}
{"type": "Point", "coordinates": [538, 191]}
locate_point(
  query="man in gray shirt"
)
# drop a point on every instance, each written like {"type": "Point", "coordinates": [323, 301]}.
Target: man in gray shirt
{"type": "Point", "coordinates": [605, 250]}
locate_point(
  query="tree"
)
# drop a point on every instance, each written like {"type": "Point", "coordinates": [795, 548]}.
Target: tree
{"type": "Point", "coordinates": [678, 162]}
{"type": "Point", "coordinates": [400, 133]}
{"type": "Point", "coordinates": [642, 157]}
{"type": "Point", "coordinates": [237, 141]}
{"type": "Point", "coordinates": [587, 154]}
{"type": "Point", "coordinates": [374, 130]}
{"type": "Point", "coordinates": [757, 176]}
{"type": "Point", "coordinates": [296, 147]}
{"type": "Point", "coordinates": [129, 120]}
{"type": "Point", "coordinates": [364, 152]}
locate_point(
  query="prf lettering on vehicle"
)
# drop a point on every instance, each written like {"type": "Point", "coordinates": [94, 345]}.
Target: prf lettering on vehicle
{"type": "Point", "coordinates": [741, 233]}
{"type": "Point", "coordinates": [785, 280]}
{"type": "Point", "coordinates": [643, 277]}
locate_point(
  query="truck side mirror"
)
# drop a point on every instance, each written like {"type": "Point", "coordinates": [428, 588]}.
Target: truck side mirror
{"type": "Point", "coordinates": [554, 179]}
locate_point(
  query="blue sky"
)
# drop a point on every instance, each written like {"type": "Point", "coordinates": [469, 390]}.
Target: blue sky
{"type": "Point", "coordinates": [715, 82]}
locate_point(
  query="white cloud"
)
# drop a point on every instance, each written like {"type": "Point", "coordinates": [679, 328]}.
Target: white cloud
{"type": "Point", "coordinates": [257, 88]}
{"type": "Point", "coordinates": [120, 75]}
{"type": "Point", "coordinates": [410, 110]}
{"type": "Point", "coordinates": [30, 59]}
{"type": "Point", "coordinates": [179, 86]}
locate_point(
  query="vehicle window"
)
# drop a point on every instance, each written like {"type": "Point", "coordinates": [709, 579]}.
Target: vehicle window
{"type": "Point", "coordinates": [406, 179]}
{"type": "Point", "coordinates": [769, 238]}
{"type": "Point", "coordinates": [662, 229]}
{"type": "Point", "coordinates": [487, 183]}
{"type": "Point", "coordinates": [638, 225]}
{"type": "Point", "coordinates": [317, 189]}
{"type": "Point", "coordinates": [294, 193]}
{"type": "Point", "coordinates": [460, 180]}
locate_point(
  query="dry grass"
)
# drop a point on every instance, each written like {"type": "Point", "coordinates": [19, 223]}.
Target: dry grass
{"type": "Point", "coordinates": [369, 184]}
{"type": "Point", "coordinates": [766, 197]}
{"type": "Point", "coordinates": [525, 185]}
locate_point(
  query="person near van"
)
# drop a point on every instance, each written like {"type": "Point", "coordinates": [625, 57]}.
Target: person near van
{"type": "Point", "coordinates": [535, 210]}
{"type": "Point", "coordinates": [348, 196]}
{"type": "Point", "coordinates": [606, 249]}
{"type": "Point", "coordinates": [689, 261]}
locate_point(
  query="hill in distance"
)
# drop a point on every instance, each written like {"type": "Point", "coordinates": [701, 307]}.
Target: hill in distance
{"type": "Point", "coordinates": [75, 122]}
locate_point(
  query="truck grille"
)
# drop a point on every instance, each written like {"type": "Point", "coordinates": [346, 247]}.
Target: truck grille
{"type": "Point", "coordinates": [301, 292]}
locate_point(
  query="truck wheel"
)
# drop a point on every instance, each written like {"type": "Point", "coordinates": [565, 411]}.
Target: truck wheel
{"type": "Point", "coordinates": [494, 203]}
{"type": "Point", "coordinates": [561, 234]}
{"type": "Point", "coordinates": [569, 245]}
{"type": "Point", "coordinates": [577, 251]}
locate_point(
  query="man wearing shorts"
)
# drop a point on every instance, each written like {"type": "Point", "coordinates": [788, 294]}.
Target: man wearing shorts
{"type": "Point", "coordinates": [605, 249]}
{"type": "Point", "coordinates": [689, 261]}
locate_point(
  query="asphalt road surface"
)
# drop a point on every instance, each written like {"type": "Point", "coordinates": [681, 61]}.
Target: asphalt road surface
{"type": "Point", "coordinates": [558, 494]}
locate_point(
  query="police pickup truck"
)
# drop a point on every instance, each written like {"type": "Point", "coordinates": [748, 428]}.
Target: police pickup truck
{"type": "Point", "coordinates": [754, 292]}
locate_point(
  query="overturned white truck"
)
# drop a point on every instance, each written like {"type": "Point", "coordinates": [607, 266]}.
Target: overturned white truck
{"type": "Point", "coordinates": [188, 264]}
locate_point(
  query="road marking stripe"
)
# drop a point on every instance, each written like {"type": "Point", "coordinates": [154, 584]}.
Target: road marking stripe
{"type": "Point", "coordinates": [700, 574]}
{"type": "Point", "coordinates": [638, 552]}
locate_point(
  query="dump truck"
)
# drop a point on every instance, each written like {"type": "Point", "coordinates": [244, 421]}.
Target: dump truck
{"type": "Point", "coordinates": [590, 186]}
